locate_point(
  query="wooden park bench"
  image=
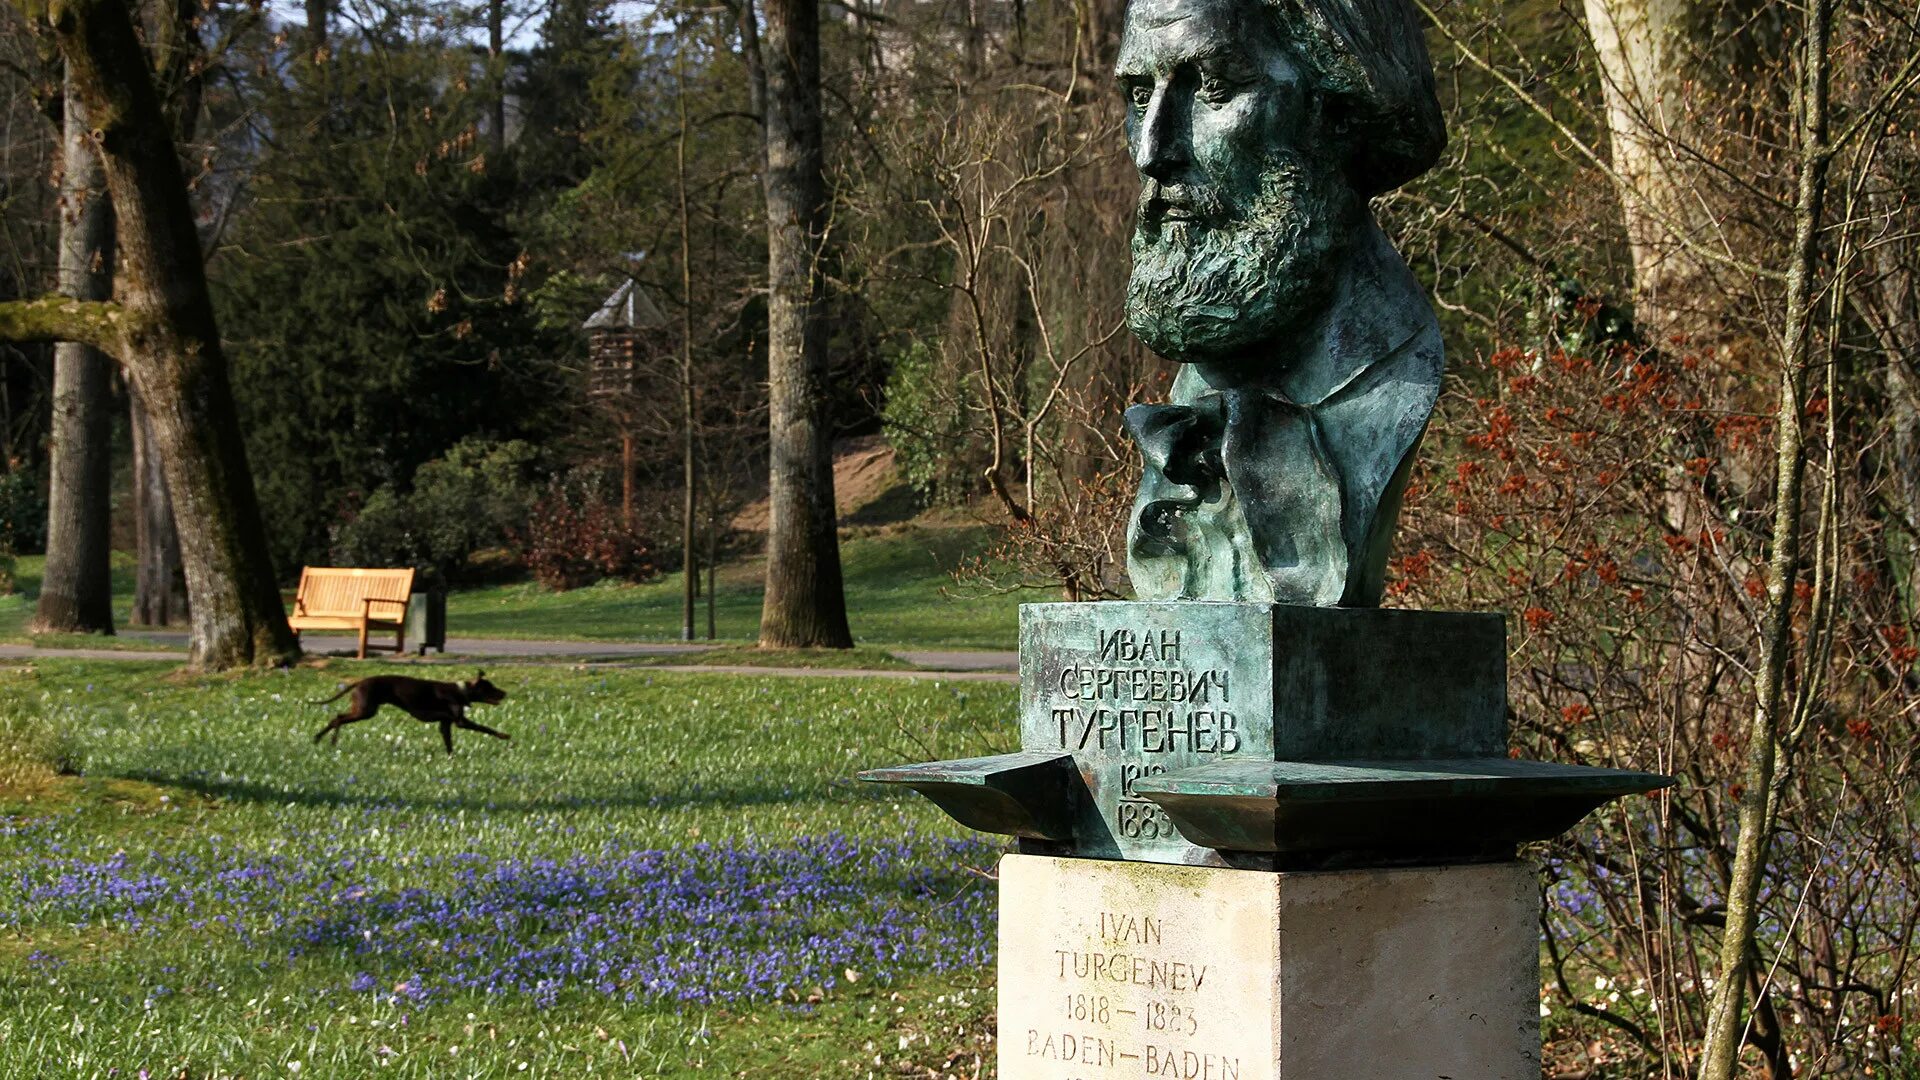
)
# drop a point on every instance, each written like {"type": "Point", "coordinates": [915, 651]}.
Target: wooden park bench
{"type": "Point", "coordinates": [353, 598]}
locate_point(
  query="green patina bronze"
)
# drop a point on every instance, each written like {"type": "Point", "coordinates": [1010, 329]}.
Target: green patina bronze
{"type": "Point", "coordinates": [1263, 735]}
{"type": "Point", "coordinates": [1028, 794]}
{"type": "Point", "coordinates": [1310, 356]}
{"type": "Point", "coordinates": [1136, 690]}
{"type": "Point", "coordinates": [1321, 814]}
{"type": "Point", "coordinates": [1255, 708]}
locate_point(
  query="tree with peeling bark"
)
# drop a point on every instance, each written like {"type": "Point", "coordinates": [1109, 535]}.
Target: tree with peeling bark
{"type": "Point", "coordinates": [1676, 78]}
{"type": "Point", "coordinates": [161, 327]}
{"type": "Point", "coordinates": [805, 603]}
{"type": "Point", "coordinates": [76, 589]}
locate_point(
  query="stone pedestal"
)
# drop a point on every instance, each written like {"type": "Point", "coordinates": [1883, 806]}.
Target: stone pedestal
{"type": "Point", "coordinates": [1112, 970]}
{"type": "Point", "coordinates": [1265, 842]}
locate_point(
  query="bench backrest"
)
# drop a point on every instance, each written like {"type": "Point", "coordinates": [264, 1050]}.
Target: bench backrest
{"type": "Point", "coordinates": [343, 590]}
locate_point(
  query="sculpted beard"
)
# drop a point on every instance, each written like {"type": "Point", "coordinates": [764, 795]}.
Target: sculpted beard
{"type": "Point", "coordinates": [1234, 276]}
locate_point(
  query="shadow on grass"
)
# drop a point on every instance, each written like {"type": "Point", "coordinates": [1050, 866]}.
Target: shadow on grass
{"type": "Point", "coordinates": [632, 796]}
{"type": "Point", "coordinates": [896, 505]}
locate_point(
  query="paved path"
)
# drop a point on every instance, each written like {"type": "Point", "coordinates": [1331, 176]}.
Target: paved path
{"type": "Point", "coordinates": [851, 673]}
{"type": "Point", "coordinates": [28, 652]}
{"type": "Point", "coordinates": [323, 645]}
{"type": "Point", "coordinates": [948, 664]}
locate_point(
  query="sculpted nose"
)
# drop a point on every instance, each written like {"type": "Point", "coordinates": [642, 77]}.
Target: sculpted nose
{"type": "Point", "coordinates": [1160, 139]}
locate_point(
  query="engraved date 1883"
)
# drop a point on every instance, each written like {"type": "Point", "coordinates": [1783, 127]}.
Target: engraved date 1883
{"type": "Point", "coordinates": [1135, 817]}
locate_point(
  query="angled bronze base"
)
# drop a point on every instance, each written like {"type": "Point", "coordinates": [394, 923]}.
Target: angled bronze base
{"type": "Point", "coordinates": [1028, 794]}
{"type": "Point", "coordinates": [1313, 814]}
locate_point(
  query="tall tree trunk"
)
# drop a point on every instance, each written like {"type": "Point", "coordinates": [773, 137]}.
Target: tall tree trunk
{"type": "Point", "coordinates": [160, 582]}
{"type": "Point", "coordinates": [749, 24]}
{"type": "Point", "coordinates": [163, 330]}
{"type": "Point", "coordinates": [1891, 305]}
{"type": "Point", "coordinates": [689, 559]}
{"type": "Point", "coordinates": [316, 26]}
{"type": "Point", "coordinates": [1681, 103]}
{"type": "Point", "coordinates": [805, 601]}
{"type": "Point", "coordinates": [76, 592]}
{"type": "Point", "coordinates": [1671, 71]}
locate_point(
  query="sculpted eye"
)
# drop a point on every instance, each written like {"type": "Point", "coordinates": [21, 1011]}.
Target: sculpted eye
{"type": "Point", "coordinates": [1140, 95]}
{"type": "Point", "coordinates": [1215, 91]}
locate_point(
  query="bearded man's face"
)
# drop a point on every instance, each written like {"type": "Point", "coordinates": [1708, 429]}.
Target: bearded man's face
{"type": "Point", "coordinates": [1239, 215]}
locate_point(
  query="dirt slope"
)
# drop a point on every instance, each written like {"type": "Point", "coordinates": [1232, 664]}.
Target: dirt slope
{"type": "Point", "coordinates": [863, 479]}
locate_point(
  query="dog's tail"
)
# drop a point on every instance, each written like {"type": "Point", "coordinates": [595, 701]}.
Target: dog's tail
{"type": "Point", "coordinates": [336, 697]}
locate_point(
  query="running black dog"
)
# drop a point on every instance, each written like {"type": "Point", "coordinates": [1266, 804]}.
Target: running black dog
{"type": "Point", "coordinates": [442, 703]}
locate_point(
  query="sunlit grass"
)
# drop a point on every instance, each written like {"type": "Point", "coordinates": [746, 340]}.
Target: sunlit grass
{"type": "Point", "coordinates": [17, 607]}
{"type": "Point", "coordinates": [899, 585]}
{"type": "Point", "coordinates": [197, 898]}
{"type": "Point", "coordinates": [860, 656]}
{"type": "Point", "coordinates": [900, 592]}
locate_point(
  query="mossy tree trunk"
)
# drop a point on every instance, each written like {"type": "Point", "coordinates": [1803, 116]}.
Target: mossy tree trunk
{"type": "Point", "coordinates": [76, 590]}
{"type": "Point", "coordinates": [159, 582]}
{"type": "Point", "coordinates": [162, 329]}
{"type": "Point", "coordinates": [805, 603]}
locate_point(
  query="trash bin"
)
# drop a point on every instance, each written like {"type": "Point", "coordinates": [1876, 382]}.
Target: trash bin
{"type": "Point", "coordinates": [427, 620]}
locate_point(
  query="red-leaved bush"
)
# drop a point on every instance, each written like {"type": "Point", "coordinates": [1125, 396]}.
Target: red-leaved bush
{"type": "Point", "coordinates": [573, 539]}
{"type": "Point", "coordinates": [1616, 504]}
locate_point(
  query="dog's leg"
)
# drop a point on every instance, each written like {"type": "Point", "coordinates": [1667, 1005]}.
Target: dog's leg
{"type": "Point", "coordinates": [446, 734]}
{"type": "Point", "coordinates": [337, 723]}
{"type": "Point", "coordinates": [483, 729]}
{"type": "Point", "coordinates": [357, 710]}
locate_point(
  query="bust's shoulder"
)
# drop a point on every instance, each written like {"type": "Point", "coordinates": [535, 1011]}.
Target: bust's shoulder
{"type": "Point", "coordinates": [1411, 370]}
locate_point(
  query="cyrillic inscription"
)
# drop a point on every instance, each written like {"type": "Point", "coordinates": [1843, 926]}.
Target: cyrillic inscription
{"type": "Point", "coordinates": [1147, 645]}
{"type": "Point", "coordinates": [1149, 731]}
{"type": "Point", "coordinates": [1197, 686]}
{"type": "Point", "coordinates": [1160, 687]}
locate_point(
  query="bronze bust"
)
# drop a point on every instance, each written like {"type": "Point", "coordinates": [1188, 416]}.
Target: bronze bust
{"type": "Point", "coordinates": [1311, 358]}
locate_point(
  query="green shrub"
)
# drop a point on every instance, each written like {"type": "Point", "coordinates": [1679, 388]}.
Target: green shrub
{"type": "Point", "coordinates": [23, 515]}
{"type": "Point", "coordinates": [925, 421]}
{"type": "Point", "coordinates": [475, 497]}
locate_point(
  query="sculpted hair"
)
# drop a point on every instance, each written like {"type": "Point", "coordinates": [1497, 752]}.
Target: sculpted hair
{"type": "Point", "coordinates": [1370, 58]}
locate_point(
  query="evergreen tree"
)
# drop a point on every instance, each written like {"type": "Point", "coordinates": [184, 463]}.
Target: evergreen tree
{"type": "Point", "coordinates": [374, 289]}
{"type": "Point", "coordinates": [577, 43]}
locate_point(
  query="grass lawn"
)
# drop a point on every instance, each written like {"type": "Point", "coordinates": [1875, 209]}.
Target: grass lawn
{"type": "Point", "coordinates": [899, 585]}
{"type": "Point", "coordinates": [662, 875]}
{"type": "Point", "coordinates": [16, 608]}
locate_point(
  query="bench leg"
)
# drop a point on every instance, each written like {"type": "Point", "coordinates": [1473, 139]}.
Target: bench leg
{"type": "Point", "coordinates": [363, 640]}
